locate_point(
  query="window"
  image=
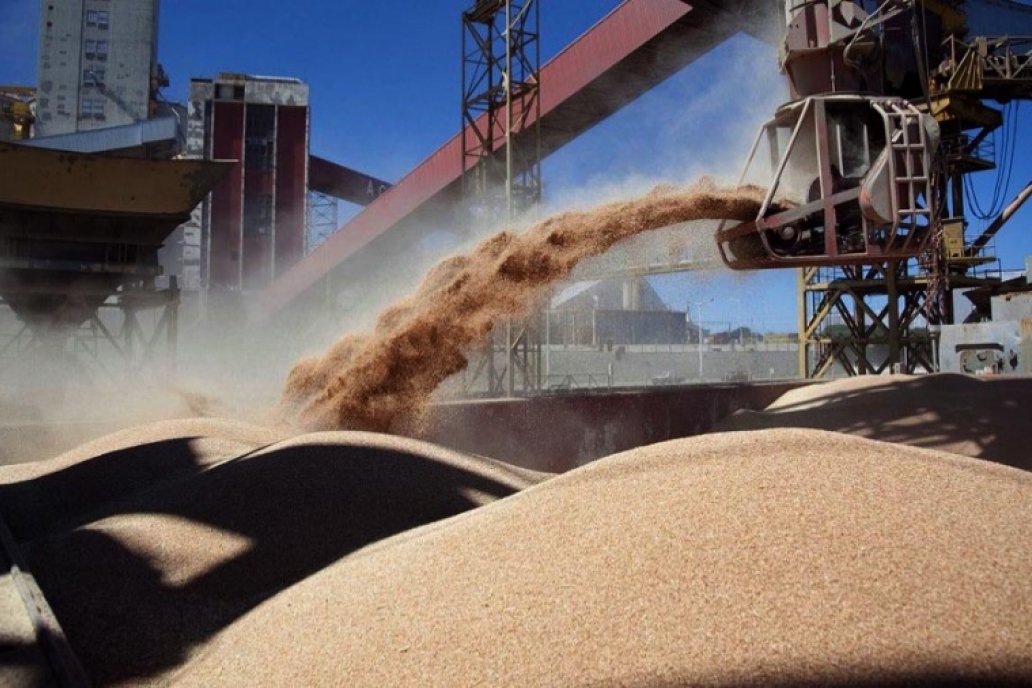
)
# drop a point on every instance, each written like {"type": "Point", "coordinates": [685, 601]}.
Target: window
{"type": "Point", "coordinates": [102, 50]}
{"type": "Point", "coordinates": [91, 50]}
{"type": "Point", "coordinates": [91, 108]}
{"type": "Point", "coordinates": [98, 18]}
{"type": "Point", "coordinates": [93, 77]}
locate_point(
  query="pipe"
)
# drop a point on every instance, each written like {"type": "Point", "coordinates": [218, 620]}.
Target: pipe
{"type": "Point", "coordinates": [1001, 219]}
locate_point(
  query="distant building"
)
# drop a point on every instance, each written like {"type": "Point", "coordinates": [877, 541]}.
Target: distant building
{"type": "Point", "coordinates": [97, 64]}
{"type": "Point", "coordinates": [613, 313]}
{"type": "Point", "coordinates": [251, 228]}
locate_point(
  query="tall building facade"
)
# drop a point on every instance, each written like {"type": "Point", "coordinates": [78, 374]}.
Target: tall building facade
{"type": "Point", "coordinates": [251, 228]}
{"type": "Point", "coordinates": [97, 64]}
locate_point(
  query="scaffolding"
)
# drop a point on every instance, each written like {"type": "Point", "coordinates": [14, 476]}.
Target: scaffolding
{"type": "Point", "coordinates": [131, 332]}
{"type": "Point", "coordinates": [322, 220]}
{"type": "Point", "coordinates": [501, 108]}
{"type": "Point", "coordinates": [501, 158]}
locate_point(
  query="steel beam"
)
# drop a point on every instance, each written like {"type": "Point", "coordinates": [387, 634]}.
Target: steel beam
{"type": "Point", "coordinates": [338, 181]}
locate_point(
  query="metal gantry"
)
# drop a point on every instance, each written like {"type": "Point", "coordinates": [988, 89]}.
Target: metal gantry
{"type": "Point", "coordinates": [114, 340]}
{"type": "Point", "coordinates": [322, 219]}
{"type": "Point", "coordinates": [867, 319]}
{"type": "Point", "coordinates": [501, 107]}
{"type": "Point", "coordinates": [501, 158]}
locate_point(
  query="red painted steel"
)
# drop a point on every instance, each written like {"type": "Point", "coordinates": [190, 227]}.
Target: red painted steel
{"type": "Point", "coordinates": [291, 148]}
{"type": "Point", "coordinates": [256, 258]}
{"type": "Point", "coordinates": [628, 27]}
{"type": "Point", "coordinates": [343, 182]}
{"type": "Point", "coordinates": [636, 46]}
{"type": "Point", "coordinates": [226, 199]}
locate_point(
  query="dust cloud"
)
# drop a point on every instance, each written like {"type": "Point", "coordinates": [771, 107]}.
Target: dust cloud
{"type": "Point", "coordinates": [382, 381]}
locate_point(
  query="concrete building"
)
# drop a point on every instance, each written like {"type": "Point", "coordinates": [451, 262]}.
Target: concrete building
{"type": "Point", "coordinates": [252, 226]}
{"type": "Point", "coordinates": [613, 312]}
{"type": "Point", "coordinates": [97, 64]}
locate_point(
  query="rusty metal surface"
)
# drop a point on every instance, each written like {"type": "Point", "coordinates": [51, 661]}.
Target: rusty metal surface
{"type": "Point", "coordinates": [635, 47]}
{"type": "Point", "coordinates": [99, 184]}
{"type": "Point", "coordinates": [74, 228]}
{"type": "Point", "coordinates": [558, 433]}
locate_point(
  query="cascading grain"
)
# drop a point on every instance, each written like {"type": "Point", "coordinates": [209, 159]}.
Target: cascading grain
{"type": "Point", "coordinates": [382, 381]}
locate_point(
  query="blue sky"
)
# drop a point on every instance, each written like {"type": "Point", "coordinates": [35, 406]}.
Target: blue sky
{"type": "Point", "coordinates": [384, 80]}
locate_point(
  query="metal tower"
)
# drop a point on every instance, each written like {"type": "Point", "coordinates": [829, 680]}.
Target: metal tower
{"type": "Point", "coordinates": [871, 318]}
{"type": "Point", "coordinates": [501, 153]}
{"type": "Point", "coordinates": [501, 107]}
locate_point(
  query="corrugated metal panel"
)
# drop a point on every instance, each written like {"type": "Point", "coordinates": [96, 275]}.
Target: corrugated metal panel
{"type": "Point", "coordinates": [159, 130]}
{"type": "Point", "coordinates": [620, 420]}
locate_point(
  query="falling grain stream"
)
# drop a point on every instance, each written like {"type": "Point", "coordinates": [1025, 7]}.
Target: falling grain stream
{"type": "Point", "coordinates": [382, 381]}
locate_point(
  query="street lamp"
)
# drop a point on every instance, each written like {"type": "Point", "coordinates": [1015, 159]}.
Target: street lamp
{"type": "Point", "coordinates": [738, 316]}
{"type": "Point", "coordinates": [698, 306]}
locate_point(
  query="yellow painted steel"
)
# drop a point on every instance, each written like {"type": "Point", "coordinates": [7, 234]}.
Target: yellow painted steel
{"type": "Point", "coordinates": [953, 239]}
{"type": "Point", "coordinates": [59, 181]}
{"type": "Point", "coordinates": [954, 20]}
{"type": "Point", "coordinates": [968, 110]}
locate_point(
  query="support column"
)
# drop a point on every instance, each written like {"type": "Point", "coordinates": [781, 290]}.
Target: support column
{"type": "Point", "coordinates": [891, 272]}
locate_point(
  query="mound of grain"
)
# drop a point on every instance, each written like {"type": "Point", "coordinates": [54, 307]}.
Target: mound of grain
{"type": "Point", "coordinates": [44, 496]}
{"type": "Point", "coordinates": [142, 588]}
{"type": "Point", "coordinates": [980, 417]}
{"type": "Point", "coordinates": [748, 558]}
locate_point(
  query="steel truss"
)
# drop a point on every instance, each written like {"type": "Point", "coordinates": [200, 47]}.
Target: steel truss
{"type": "Point", "coordinates": [865, 318]}
{"type": "Point", "coordinates": [883, 311]}
{"type": "Point", "coordinates": [322, 219]}
{"type": "Point", "coordinates": [501, 152]}
{"type": "Point", "coordinates": [872, 318]}
{"type": "Point", "coordinates": [121, 344]}
{"type": "Point", "coordinates": [510, 363]}
{"type": "Point", "coordinates": [501, 158]}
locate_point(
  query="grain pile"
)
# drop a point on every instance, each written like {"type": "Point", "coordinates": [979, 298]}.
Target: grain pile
{"type": "Point", "coordinates": [151, 577]}
{"type": "Point", "coordinates": [46, 496]}
{"type": "Point", "coordinates": [981, 417]}
{"type": "Point", "coordinates": [40, 423]}
{"type": "Point", "coordinates": [783, 557]}
{"type": "Point", "coordinates": [383, 380]}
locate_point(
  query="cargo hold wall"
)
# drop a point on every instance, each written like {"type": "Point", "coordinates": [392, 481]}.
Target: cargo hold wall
{"type": "Point", "coordinates": [558, 433]}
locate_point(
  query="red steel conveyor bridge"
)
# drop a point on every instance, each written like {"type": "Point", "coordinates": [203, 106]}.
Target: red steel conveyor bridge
{"type": "Point", "coordinates": [632, 49]}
